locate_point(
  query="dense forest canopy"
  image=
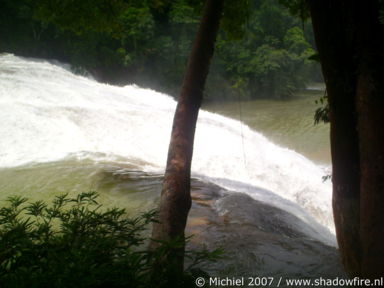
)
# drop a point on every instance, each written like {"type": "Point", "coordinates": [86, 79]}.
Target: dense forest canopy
{"type": "Point", "coordinates": [147, 43]}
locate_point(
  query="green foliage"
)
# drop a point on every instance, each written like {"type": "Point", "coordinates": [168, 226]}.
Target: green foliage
{"type": "Point", "coordinates": [235, 18]}
{"type": "Point", "coordinates": [272, 57]}
{"type": "Point", "coordinates": [297, 7]}
{"type": "Point", "coordinates": [322, 113]}
{"type": "Point", "coordinates": [261, 45]}
{"type": "Point", "coordinates": [326, 177]}
{"type": "Point", "coordinates": [138, 24]}
{"type": "Point", "coordinates": [381, 11]}
{"type": "Point", "coordinates": [80, 17]}
{"type": "Point", "coordinates": [75, 243]}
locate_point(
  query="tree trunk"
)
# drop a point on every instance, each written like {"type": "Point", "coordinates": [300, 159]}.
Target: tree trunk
{"type": "Point", "coordinates": [370, 107]}
{"type": "Point", "coordinates": [175, 196]}
{"type": "Point", "coordinates": [333, 24]}
{"type": "Point", "coordinates": [350, 40]}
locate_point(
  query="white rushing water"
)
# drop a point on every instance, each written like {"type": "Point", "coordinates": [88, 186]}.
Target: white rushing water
{"type": "Point", "coordinates": [50, 114]}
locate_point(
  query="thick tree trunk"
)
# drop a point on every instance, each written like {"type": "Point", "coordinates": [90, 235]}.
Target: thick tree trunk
{"type": "Point", "coordinates": [350, 40]}
{"type": "Point", "coordinates": [175, 196]}
{"type": "Point", "coordinates": [333, 24]}
{"type": "Point", "coordinates": [370, 107]}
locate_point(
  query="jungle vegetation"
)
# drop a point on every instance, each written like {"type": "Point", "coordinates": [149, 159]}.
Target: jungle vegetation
{"type": "Point", "coordinates": [148, 42]}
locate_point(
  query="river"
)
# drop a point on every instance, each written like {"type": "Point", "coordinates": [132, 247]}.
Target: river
{"type": "Point", "coordinates": [288, 123]}
{"type": "Point", "coordinates": [257, 193]}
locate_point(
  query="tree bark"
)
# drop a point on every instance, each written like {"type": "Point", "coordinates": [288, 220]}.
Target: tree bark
{"type": "Point", "coordinates": [333, 24]}
{"type": "Point", "coordinates": [175, 196]}
{"type": "Point", "coordinates": [370, 105]}
{"type": "Point", "coordinates": [350, 41]}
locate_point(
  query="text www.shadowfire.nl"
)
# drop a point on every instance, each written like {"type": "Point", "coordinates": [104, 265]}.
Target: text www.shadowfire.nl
{"type": "Point", "coordinates": [286, 282]}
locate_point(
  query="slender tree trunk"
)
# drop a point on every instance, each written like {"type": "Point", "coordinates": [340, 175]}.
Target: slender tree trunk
{"type": "Point", "coordinates": [350, 40]}
{"type": "Point", "coordinates": [333, 24]}
{"type": "Point", "coordinates": [370, 107]}
{"type": "Point", "coordinates": [175, 196]}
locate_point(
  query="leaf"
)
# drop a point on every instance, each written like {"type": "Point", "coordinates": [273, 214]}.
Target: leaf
{"type": "Point", "coordinates": [315, 57]}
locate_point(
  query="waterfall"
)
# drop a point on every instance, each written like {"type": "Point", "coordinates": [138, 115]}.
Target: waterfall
{"type": "Point", "coordinates": [50, 114]}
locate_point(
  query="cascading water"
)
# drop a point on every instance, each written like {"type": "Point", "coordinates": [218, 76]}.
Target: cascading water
{"type": "Point", "coordinates": [52, 120]}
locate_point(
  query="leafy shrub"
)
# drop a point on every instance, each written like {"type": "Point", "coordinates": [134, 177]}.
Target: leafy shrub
{"type": "Point", "coordinates": [75, 243]}
{"type": "Point", "coordinates": [322, 112]}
